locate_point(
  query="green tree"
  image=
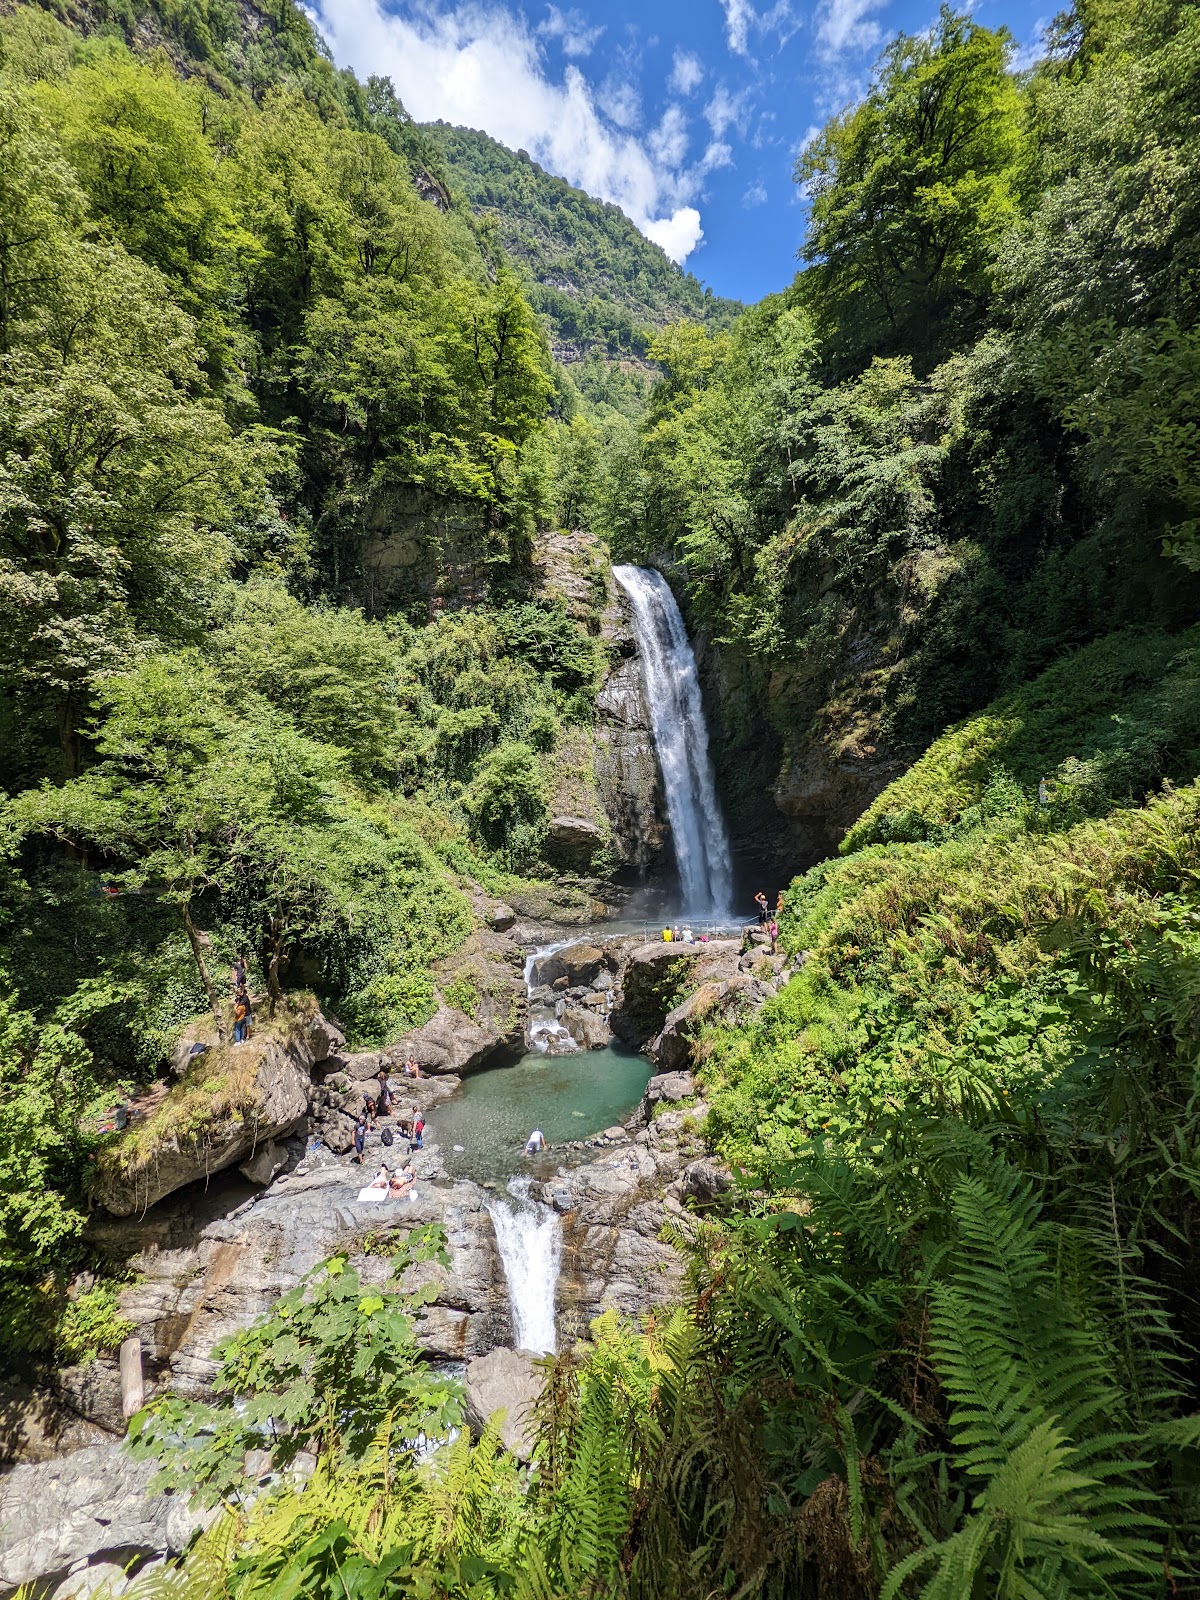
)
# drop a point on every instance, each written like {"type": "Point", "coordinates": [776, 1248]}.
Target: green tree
{"type": "Point", "coordinates": [135, 138]}
{"type": "Point", "coordinates": [46, 1083]}
{"type": "Point", "coordinates": [333, 1363]}
{"type": "Point", "coordinates": [912, 191]}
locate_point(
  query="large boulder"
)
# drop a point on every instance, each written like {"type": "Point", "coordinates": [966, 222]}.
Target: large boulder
{"type": "Point", "coordinates": [587, 1025]}
{"type": "Point", "coordinates": [505, 1381]}
{"type": "Point", "coordinates": [92, 1504]}
{"type": "Point", "coordinates": [232, 1100]}
{"type": "Point", "coordinates": [489, 970]}
{"type": "Point", "coordinates": [579, 964]}
{"type": "Point", "coordinates": [574, 842]}
{"type": "Point", "coordinates": [672, 1086]}
{"type": "Point", "coordinates": [453, 1042]}
{"type": "Point", "coordinates": [715, 1001]}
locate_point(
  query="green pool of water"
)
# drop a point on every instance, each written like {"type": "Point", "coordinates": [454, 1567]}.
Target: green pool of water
{"type": "Point", "coordinates": [567, 1097]}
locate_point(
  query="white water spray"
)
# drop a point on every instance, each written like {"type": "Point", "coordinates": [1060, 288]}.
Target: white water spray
{"type": "Point", "coordinates": [681, 740]}
{"type": "Point", "coordinates": [529, 1238]}
{"type": "Point", "coordinates": [543, 1030]}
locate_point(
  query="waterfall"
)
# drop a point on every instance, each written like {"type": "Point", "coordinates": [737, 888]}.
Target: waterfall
{"type": "Point", "coordinates": [543, 1031]}
{"type": "Point", "coordinates": [529, 1238]}
{"type": "Point", "coordinates": [681, 740]}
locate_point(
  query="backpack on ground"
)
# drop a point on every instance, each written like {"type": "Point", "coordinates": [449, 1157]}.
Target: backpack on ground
{"type": "Point", "coordinates": [387, 1136]}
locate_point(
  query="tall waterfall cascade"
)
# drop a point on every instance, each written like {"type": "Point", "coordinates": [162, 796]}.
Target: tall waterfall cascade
{"type": "Point", "coordinates": [529, 1239]}
{"type": "Point", "coordinates": [681, 741]}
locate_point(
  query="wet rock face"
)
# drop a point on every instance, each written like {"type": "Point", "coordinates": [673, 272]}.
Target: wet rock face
{"type": "Point", "coordinates": [824, 788]}
{"type": "Point", "coordinates": [625, 761]}
{"type": "Point", "coordinates": [614, 1210]}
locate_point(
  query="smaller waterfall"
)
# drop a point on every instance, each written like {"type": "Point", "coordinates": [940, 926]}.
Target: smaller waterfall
{"type": "Point", "coordinates": [681, 740]}
{"type": "Point", "coordinates": [543, 1030]}
{"type": "Point", "coordinates": [529, 1238]}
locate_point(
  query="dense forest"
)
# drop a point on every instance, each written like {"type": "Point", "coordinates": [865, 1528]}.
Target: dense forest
{"type": "Point", "coordinates": [937, 502]}
{"type": "Point", "coordinates": [600, 284]}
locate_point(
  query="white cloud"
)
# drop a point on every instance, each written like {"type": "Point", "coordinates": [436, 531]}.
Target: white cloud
{"type": "Point", "coordinates": [480, 66]}
{"type": "Point", "coordinates": [726, 110]}
{"type": "Point", "coordinates": [848, 25]}
{"type": "Point", "coordinates": [620, 102]}
{"type": "Point", "coordinates": [739, 14]}
{"type": "Point", "coordinates": [755, 195]}
{"type": "Point", "coordinates": [687, 72]}
{"type": "Point", "coordinates": [571, 27]}
{"type": "Point", "coordinates": [717, 155]}
{"type": "Point", "coordinates": [741, 19]}
{"type": "Point", "coordinates": [678, 235]}
{"type": "Point", "coordinates": [669, 141]}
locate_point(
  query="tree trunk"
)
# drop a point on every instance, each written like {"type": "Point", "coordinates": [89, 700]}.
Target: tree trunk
{"type": "Point", "coordinates": [210, 988]}
{"type": "Point", "coordinates": [273, 988]}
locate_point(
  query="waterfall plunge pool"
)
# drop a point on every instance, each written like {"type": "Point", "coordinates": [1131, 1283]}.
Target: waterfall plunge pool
{"type": "Point", "coordinates": [567, 1097]}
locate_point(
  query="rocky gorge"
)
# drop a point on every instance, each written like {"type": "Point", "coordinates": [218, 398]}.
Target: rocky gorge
{"type": "Point", "coordinates": [211, 1231]}
{"type": "Point", "coordinates": [235, 1179]}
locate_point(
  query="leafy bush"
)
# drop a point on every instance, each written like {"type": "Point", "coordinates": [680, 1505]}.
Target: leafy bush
{"type": "Point", "coordinates": [1103, 727]}
{"type": "Point", "coordinates": [331, 1364]}
{"type": "Point", "coordinates": [507, 803]}
{"type": "Point", "coordinates": [90, 1326]}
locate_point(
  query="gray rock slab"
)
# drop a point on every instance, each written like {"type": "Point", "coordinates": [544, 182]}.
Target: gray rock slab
{"type": "Point", "coordinates": [92, 1504]}
{"type": "Point", "coordinates": [510, 1382]}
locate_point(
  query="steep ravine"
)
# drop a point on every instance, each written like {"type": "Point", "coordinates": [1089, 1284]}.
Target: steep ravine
{"type": "Point", "coordinates": [211, 1233]}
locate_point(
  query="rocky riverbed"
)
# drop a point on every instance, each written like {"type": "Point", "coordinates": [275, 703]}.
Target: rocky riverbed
{"type": "Point", "coordinates": [210, 1250]}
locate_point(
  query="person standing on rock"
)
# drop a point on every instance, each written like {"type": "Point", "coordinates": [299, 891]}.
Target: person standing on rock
{"type": "Point", "coordinates": [360, 1139]}
{"type": "Point", "coordinates": [384, 1100]}
{"type": "Point", "coordinates": [241, 1017]}
{"type": "Point", "coordinates": [239, 973]}
{"type": "Point", "coordinates": [536, 1143]}
{"type": "Point", "coordinates": [764, 910]}
{"type": "Point", "coordinates": [418, 1133]}
{"type": "Point", "coordinates": [773, 930]}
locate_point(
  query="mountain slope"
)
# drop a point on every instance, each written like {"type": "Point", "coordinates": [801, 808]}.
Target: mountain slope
{"type": "Point", "coordinates": [598, 281]}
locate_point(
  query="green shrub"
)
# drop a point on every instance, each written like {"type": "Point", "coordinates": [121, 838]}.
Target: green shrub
{"type": "Point", "coordinates": [90, 1326]}
{"type": "Point", "coordinates": [1104, 727]}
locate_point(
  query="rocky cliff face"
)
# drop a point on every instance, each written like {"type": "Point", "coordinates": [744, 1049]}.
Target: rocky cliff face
{"type": "Point", "coordinates": [623, 786]}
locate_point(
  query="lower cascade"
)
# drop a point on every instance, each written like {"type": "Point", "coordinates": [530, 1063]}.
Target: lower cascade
{"type": "Point", "coordinates": [543, 1030]}
{"type": "Point", "coordinates": [681, 740]}
{"type": "Point", "coordinates": [529, 1238]}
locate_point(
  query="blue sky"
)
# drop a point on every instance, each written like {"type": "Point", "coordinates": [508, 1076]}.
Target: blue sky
{"type": "Point", "coordinates": [688, 114]}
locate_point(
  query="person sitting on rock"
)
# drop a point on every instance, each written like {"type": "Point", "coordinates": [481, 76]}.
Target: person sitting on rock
{"type": "Point", "coordinates": [411, 1069]}
{"type": "Point", "coordinates": [535, 1143]}
{"type": "Point", "coordinates": [667, 936]}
